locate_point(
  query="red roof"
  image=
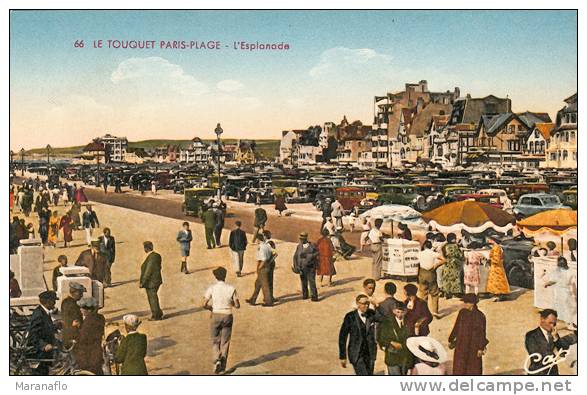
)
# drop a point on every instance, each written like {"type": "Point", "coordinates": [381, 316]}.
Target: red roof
{"type": "Point", "coordinates": [94, 146]}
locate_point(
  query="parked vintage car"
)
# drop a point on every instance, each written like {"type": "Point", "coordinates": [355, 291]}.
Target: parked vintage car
{"type": "Point", "coordinates": [194, 200]}
{"type": "Point", "coordinates": [478, 197]}
{"type": "Point", "coordinates": [403, 194]}
{"type": "Point", "coordinates": [456, 189]}
{"type": "Point", "coordinates": [350, 197]}
{"type": "Point", "coordinates": [517, 190]}
{"type": "Point", "coordinates": [569, 198]}
{"type": "Point", "coordinates": [518, 268]}
{"type": "Point", "coordinates": [534, 203]}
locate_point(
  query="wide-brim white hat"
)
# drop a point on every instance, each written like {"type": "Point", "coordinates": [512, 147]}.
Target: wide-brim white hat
{"type": "Point", "coordinates": [426, 349]}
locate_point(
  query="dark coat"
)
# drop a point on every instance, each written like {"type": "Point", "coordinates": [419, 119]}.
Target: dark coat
{"type": "Point", "coordinates": [98, 264]}
{"type": "Point", "coordinates": [237, 240]}
{"type": "Point", "coordinates": [131, 354]}
{"type": "Point", "coordinates": [88, 349]}
{"type": "Point", "coordinates": [360, 337]}
{"type": "Point", "coordinates": [469, 336]}
{"type": "Point", "coordinates": [209, 219]}
{"type": "Point", "coordinates": [260, 217]}
{"type": "Point", "coordinates": [90, 219]}
{"type": "Point", "coordinates": [42, 331]}
{"type": "Point", "coordinates": [151, 271]}
{"type": "Point", "coordinates": [385, 308]}
{"type": "Point", "coordinates": [389, 331]}
{"type": "Point", "coordinates": [305, 258]}
{"type": "Point", "coordinates": [70, 311]}
{"type": "Point", "coordinates": [109, 251]}
{"type": "Point", "coordinates": [184, 238]}
{"type": "Point", "coordinates": [536, 343]}
{"type": "Point", "coordinates": [56, 275]}
{"type": "Point", "coordinates": [419, 312]}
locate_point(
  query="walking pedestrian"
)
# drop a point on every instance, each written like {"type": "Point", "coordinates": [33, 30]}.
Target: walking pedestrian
{"type": "Point", "coordinates": [117, 185]}
{"type": "Point", "coordinates": [237, 242]}
{"type": "Point", "coordinates": [497, 281]}
{"type": "Point", "coordinates": [468, 339]}
{"type": "Point", "coordinates": [385, 307]}
{"type": "Point", "coordinates": [107, 247]}
{"type": "Point", "coordinates": [105, 182]}
{"type": "Point", "coordinates": [66, 223]}
{"type": "Point", "coordinates": [88, 349]}
{"type": "Point", "coordinates": [62, 262]}
{"type": "Point", "coordinates": [430, 261]}
{"type": "Point", "coordinates": [184, 238]}
{"type": "Point", "coordinates": [89, 222]}
{"type": "Point", "coordinates": [451, 271]}
{"type": "Point", "coordinates": [337, 213]}
{"type": "Point", "coordinates": [154, 187]}
{"type": "Point", "coordinates": [364, 239]}
{"type": "Point", "coordinates": [304, 263]}
{"type": "Point", "coordinates": [95, 261]}
{"type": "Point", "coordinates": [326, 209]}
{"type": "Point", "coordinates": [54, 221]}
{"type": "Point", "coordinates": [264, 258]}
{"type": "Point", "coordinates": [209, 219]}
{"type": "Point", "coordinates": [325, 258]}
{"type": "Point", "coordinates": [356, 338]}
{"type": "Point", "coordinates": [71, 315]}
{"type": "Point", "coordinates": [151, 280]}
{"type": "Point", "coordinates": [219, 224]}
{"type": "Point", "coordinates": [280, 206]}
{"type": "Point", "coordinates": [418, 316]}
{"type": "Point", "coordinates": [221, 298]}
{"type": "Point", "coordinates": [392, 335]}
{"type": "Point", "coordinates": [132, 349]}
{"type": "Point", "coordinates": [260, 221]}
{"type": "Point", "coordinates": [472, 272]}
{"type": "Point", "coordinates": [376, 239]}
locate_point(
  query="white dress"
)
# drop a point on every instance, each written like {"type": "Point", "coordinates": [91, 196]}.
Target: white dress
{"type": "Point", "coordinates": [565, 297]}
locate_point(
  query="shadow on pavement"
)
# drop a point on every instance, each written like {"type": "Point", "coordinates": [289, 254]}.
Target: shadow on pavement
{"type": "Point", "coordinates": [265, 358]}
{"type": "Point", "coordinates": [347, 280]}
{"type": "Point", "coordinates": [321, 295]}
{"type": "Point", "coordinates": [159, 343]}
{"type": "Point", "coordinates": [184, 312]}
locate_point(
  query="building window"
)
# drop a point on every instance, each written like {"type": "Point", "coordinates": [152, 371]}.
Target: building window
{"type": "Point", "coordinates": [565, 155]}
{"type": "Point", "coordinates": [531, 147]}
{"type": "Point", "coordinates": [542, 147]}
{"type": "Point", "coordinates": [572, 137]}
{"type": "Point", "coordinates": [573, 118]}
{"type": "Point", "coordinates": [575, 156]}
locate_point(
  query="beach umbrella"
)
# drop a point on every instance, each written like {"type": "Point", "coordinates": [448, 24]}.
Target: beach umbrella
{"type": "Point", "coordinates": [393, 212]}
{"type": "Point", "coordinates": [472, 216]}
{"type": "Point", "coordinates": [558, 222]}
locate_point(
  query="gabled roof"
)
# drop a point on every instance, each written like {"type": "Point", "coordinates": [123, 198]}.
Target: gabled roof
{"type": "Point", "coordinates": [532, 118]}
{"type": "Point", "coordinates": [94, 146]}
{"type": "Point", "coordinates": [421, 122]}
{"type": "Point", "coordinates": [544, 129]}
{"type": "Point", "coordinates": [493, 123]}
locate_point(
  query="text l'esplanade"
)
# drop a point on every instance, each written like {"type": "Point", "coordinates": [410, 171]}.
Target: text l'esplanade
{"type": "Point", "coordinates": [187, 45]}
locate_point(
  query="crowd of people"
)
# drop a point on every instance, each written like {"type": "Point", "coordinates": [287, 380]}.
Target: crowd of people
{"type": "Point", "coordinates": [399, 327]}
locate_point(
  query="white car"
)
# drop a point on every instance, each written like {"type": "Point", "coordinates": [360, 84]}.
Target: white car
{"type": "Point", "coordinates": [503, 197]}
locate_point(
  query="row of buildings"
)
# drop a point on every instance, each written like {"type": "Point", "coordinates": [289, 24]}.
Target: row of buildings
{"type": "Point", "coordinates": [419, 126]}
{"type": "Point", "coordinates": [109, 148]}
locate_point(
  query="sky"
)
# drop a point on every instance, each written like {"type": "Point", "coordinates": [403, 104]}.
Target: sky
{"type": "Point", "coordinates": [336, 62]}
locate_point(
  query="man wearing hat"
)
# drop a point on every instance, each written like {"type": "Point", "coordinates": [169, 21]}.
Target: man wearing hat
{"type": "Point", "coordinates": [260, 221]}
{"type": "Point", "coordinates": [89, 222]}
{"type": "Point", "coordinates": [468, 338]}
{"type": "Point", "coordinates": [391, 336]}
{"type": "Point", "coordinates": [151, 279]}
{"type": "Point", "coordinates": [305, 261]}
{"type": "Point", "coordinates": [42, 331]}
{"type": "Point", "coordinates": [219, 223]}
{"type": "Point", "coordinates": [88, 349]}
{"type": "Point", "coordinates": [132, 349]}
{"type": "Point", "coordinates": [430, 354]}
{"type": "Point", "coordinates": [221, 298]}
{"type": "Point", "coordinates": [71, 314]}
{"type": "Point", "coordinates": [95, 261]}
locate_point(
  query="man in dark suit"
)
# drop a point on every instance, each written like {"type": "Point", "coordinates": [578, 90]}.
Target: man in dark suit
{"type": "Point", "coordinates": [42, 331]}
{"type": "Point", "coordinates": [392, 336]}
{"type": "Point", "coordinates": [96, 262]}
{"type": "Point", "coordinates": [209, 219]}
{"type": "Point", "coordinates": [385, 308]}
{"type": "Point", "coordinates": [108, 249]}
{"type": "Point", "coordinates": [305, 261]}
{"type": "Point", "coordinates": [237, 242]}
{"type": "Point", "coordinates": [358, 329]}
{"type": "Point", "coordinates": [89, 222]}
{"type": "Point", "coordinates": [544, 342]}
{"type": "Point", "coordinates": [151, 280]}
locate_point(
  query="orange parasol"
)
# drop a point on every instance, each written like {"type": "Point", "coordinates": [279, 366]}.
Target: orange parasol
{"type": "Point", "coordinates": [556, 221]}
{"type": "Point", "coordinates": [474, 217]}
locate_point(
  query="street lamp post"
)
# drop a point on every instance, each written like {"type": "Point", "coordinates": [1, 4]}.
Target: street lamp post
{"type": "Point", "coordinates": [11, 158]}
{"type": "Point", "coordinates": [22, 162]}
{"type": "Point", "coordinates": [48, 148]}
{"type": "Point", "coordinates": [218, 132]}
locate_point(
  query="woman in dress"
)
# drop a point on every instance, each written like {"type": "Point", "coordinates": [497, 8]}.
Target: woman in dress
{"type": "Point", "coordinates": [184, 238]}
{"type": "Point", "coordinates": [451, 271]}
{"type": "Point", "coordinates": [54, 221]}
{"type": "Point", "coordinates": [325, 258]}
{"type": "Point", "coordinates": [472, 273]}
{"type": "Point", "coordinates": [564, 284]}
{"type": "Point", "coordinates": [88, 349]}
{"type": "Point", "coordinates": [66, 224]}
{"type": "Point", "coordinates": [280, 204]}
{"type": "Point", "coordinates": [497, 281]}
{"type": "Point", "coordinates": [44, 226]}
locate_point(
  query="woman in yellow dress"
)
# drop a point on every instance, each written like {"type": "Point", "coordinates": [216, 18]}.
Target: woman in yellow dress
{"type": "Point", "coordinates": [497, 281]}
{"type": "Point", "coordinates": [54, 221]}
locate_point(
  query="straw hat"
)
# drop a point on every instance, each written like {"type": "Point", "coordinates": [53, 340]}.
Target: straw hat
{"type": "Point", "coordinates": [426, 349]}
